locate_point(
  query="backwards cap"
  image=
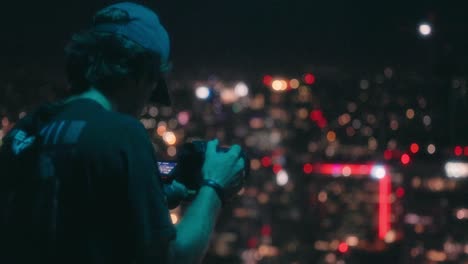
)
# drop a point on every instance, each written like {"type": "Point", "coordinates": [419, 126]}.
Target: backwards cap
{"type": "Point", "coordinates": [143, 27]}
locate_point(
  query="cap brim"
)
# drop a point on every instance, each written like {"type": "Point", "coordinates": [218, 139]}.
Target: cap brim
{"type": "Point", "coordinates": [160, 95]}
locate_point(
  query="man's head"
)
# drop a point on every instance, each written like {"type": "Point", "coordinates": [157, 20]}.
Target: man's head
{"type": "Point", "coordinates": [124, 55]}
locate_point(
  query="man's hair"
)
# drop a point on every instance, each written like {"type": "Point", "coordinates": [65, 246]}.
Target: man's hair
{"type": "Point", "coordinates": [103, 60]}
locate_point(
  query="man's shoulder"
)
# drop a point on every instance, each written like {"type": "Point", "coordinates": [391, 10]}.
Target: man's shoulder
{"type": "Point", "coordinates": [123, 125]}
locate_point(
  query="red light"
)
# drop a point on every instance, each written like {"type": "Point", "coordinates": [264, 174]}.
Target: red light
{"type": "Point", "coordinates": [266, 230]}
{"type": "Point", "coordinates": [458, 151]}
{"type": "Point", "coordinates": [465, 151]}
{"type": "Point", "coordinates": [388, 154]}
{"type": "Point", "coordinates": [266, 162]}
{"type": "Point", "coordinates": [267, 80]}
{"type": "Point", "coordinates": [252, 242]}
{"type": "Point", "coordinates": [277, 168]}
{"type": "Point", "coordinates": [405, 159]}
{"type": "Point", "coordinates": [316, 115]}
{"type": "Point", "coordinates": [414, 148]}
{"type": "Point", "coordinates": [308, 168]}
{"type": "Point", "coordinates": [400, 192]}
{"type": "Point", "coordinates": [337, 169]}
{"type": "Point", "coordinates": [385, 186]}
{"type": "Point", "coordinates": [309, 78]}
{"type": "Point", "coordinates": [322, 123]}
{"type": "Point", "coordinates": [343, 247]}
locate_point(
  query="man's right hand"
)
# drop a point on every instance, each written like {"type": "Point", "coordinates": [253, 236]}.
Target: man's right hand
{"type": "Point", "coordinates": [223, 167]}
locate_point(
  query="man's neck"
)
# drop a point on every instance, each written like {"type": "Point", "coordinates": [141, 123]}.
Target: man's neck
{"type": "Point", "coordinates": [94, 95]}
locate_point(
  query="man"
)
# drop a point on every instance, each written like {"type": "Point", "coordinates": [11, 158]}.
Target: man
{"type": "Point", "coordinates": [79, 182]}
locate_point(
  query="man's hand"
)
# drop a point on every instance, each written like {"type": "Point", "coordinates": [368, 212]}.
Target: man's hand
{"type": "Point", "coordinates": [223, 167]}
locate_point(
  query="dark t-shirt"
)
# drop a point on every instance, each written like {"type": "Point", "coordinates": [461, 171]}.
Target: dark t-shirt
{"type": "Point", "coordinates": [81, 186]}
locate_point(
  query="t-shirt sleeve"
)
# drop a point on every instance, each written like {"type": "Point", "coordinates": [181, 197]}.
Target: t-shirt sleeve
{"type": "Point", "coordinates": [152, 226]}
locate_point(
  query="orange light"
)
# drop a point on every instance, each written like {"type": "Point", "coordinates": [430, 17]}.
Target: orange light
{"type": "Point", "coordinates": [331, 136]}
{"type": "Point", "coordinates": [294, 83]}
{"type": "Point", "coordinates": [170, 138]}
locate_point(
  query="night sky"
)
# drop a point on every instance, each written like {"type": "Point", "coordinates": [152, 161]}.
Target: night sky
{"type": "Point", "coordinates": [275, 34]}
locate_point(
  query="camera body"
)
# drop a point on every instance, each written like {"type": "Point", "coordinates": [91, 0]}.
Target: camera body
{"type": "Point", "coordinates": [188, 167]}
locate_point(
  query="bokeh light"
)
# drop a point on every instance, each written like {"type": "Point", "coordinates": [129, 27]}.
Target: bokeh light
{"type": "Point", "coordinates": [241, 89]}
{"type": "Point", "coordinates": [425, 29]}
{"type": "Point", "coordinates": [279, 85]}
{"type": "Point", "coordinates": [294, 83]}
{"type": "Point", "coordinates": [169, 137]}
{"type": "Point", "coordinates": [202, 92]}
{"type": "Point", "coordinates": [282, 178]}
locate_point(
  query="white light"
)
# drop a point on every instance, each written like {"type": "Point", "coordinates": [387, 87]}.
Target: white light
{"type": "Point", "coordinates": [279, 85]}
{"type": "Point", "coordinates": [282, 178]}
{"type": "Point", "coordinates": [202, 92]}
{"type": "Point", "coordinates": [456, 169]}
{"type": "Point", "coordinates": [346, 171]}
{"type": "Point", "coordinates": [425, 29]}
{"type": "Point", "coordinates": [431, 149]}
{"type": "Point", "coordinates": [378, 172]}
{"type": "Point", "coordinates": [241, 89]}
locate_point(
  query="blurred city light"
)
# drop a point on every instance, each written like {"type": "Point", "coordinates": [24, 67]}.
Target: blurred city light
{"type": "Point", "coordinates": [183, 118]}
{"type": "Point", "coordinates": [202, 92]}
{"type": "Point", "coordinates": [343, 247]}
{"type": "Point", "coordinates": [228, 96]}
{"type": "Point", "coordinates": [458, 151]}
{"type": "Point", "coordinates": [267, 80]}
{"type": "Point", "coordinates": [431, 149]}
{"type": "Point", "coordinates": [405, 159]}
{"type": "Point", "coordinates": [425, 29]}
{"type": "Point", "coordinates": [277, 168]}
{"type": "Point", "coordinates": [279, 85]}
{"type": "Point", "coordinates": [400, 192]}
{"type": "Point", "coordinates": [456, 169]}
{"type": "Point", "coordinates": [309, 78]}
{"type": "Point", "coordinates": [294, 83]}
{"type": "Point", "coordinates": [378, 172]}
{"type": "Point", "coordinates": [266, 162]}
{"type": "Point", "coordinates": [169, 137]}
{"type": "Point", "coordinates": [308, 168]}
{"type": "Point", "coordinates": [282, 178]}
{"type": "Point", "coordinates": [410, 114]}
{"type": "Point", "coordinates": [241, 89]}
{"type": "Point", "coordinates": [172, 151]}
{"type": "Point", "coordinates": [414, 148]}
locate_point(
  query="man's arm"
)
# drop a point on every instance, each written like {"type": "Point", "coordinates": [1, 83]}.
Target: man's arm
{"type": "Point", "coordinates": [195, 229]}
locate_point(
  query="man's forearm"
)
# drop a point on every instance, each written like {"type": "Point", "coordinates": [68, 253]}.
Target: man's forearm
{"type": "Point", "coordinates": [196, 227]}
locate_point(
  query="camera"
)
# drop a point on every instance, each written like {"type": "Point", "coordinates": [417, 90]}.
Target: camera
{"type": "Point", "coordinates": [187, 169]}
